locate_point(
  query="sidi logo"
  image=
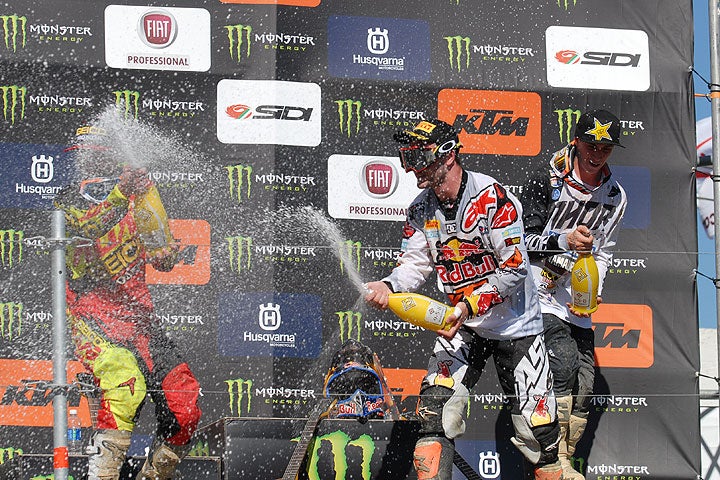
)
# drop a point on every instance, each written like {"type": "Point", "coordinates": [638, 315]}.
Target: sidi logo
{"type": "Point", "coordinates": [624, 336]}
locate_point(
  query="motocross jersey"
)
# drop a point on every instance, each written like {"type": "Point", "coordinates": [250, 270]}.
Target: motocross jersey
{"type": "Point", "coordinates": [474, 246]}
{"type": "Point", "coordinates": [554, 204]}
{"type": "Point", "coordinates": [107, 268]}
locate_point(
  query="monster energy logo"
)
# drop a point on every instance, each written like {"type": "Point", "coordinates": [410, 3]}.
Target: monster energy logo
{"type": "Point", "coordinates": [49, 477]}
{"type": "Point", "coordinates": [240, 247]}
{"type": "Point", "coordinates": [12, 27]}
{"type": "Point", "coordinates": [12, 98]}
{"type": "Point", "coordinates": [129, 100]}
{"type": "Point", "coordinates": [8, 453]}
{"type": "Point", "coordinates": [237, 36]}
{"type": "Point", "coordinates": [11, 246]}
{"type": "Point", "coordinates": [239, 176]}
{"type": "Point", "coordinates": [10, 320]}
{"type": "Point", "coordinates": [349, 113]}
{"type": "Point", "coordinates": [566, 118]}
{"type": "Point", "coordinates": [350, 251]}
{"type": "Point", "coordinates": [458, 47]}
{"type": "Point", "coordinates": [349, 321]}
{"type": "Point", "coordinates": [237, 390]}
{"type": "Point", "coordinates": [200, 449]}
{"type": "Point", "coordinates": [566, 3]}
{"type": "Point", "coordinates": [341, 445]}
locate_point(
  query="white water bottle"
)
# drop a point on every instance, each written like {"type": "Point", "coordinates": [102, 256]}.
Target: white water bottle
{"type": "Point", "coordinates": [74, 433]}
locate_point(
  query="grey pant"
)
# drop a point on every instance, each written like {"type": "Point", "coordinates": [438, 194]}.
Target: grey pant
{"type": "Point", "coordinates": [572, 361]}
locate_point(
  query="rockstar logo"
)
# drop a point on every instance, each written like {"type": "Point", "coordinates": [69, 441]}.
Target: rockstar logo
{"type": "Point", "coordinates": [600, 130]}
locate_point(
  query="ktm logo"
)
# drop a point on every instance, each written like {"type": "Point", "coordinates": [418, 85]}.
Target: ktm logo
{"type": "Point", "coordinates": [296, 3]}
{"type": "Point", "coordinates": [494, 122]}
{"type": "Point", "coordinates": [26, 394]}
{"type": "Point", "coordinates": [624, 336]}
{"type": "Point", "coordinates": [193, 264]}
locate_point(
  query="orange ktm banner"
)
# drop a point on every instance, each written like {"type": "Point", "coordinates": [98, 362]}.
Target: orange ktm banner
{"type": "Point", "coordinates": [404, 381]}
{"type": "Point", "coordinates": [24, 402]}
{"type": "Point", "coordinates": [297, 3]}
{"type": "Point", "coordinates": [623, 336]}
{"type": "Point", "coordinates": [494, 122]}
{"type": "Point", "coordinates": [193, 265]}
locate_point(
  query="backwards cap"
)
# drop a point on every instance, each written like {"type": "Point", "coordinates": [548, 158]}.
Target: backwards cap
{"type": "Point", "coordinates": [598, 126]}
{"type": "Point", "coordinates": [428, 132]}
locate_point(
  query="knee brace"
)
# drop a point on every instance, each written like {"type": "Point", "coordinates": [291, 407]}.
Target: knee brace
{"type": "Point", "coordinates": [440, 409]}
{"type": "Point", "coordinates": [107, 451]}
{"type": "Point", "coordinates": [538, 444]}
{"type": "Point", "coordinates": [433, 458]}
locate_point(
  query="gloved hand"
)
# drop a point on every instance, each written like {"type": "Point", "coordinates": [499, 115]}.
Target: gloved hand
{"type": "Point", "coordinates": [134, 181]}
{"type": "Point", "coordinates": [482, 299]}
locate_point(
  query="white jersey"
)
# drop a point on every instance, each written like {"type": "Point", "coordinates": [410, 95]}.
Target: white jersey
{"type": "Point", "coordinates": [554, 204]}
{"type": "Point", "coordinates": [476, 243]}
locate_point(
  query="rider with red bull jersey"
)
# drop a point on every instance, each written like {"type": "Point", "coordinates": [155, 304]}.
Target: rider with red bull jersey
{"type": "Point", "coordinates": [111, 315]}
{"type": "Point", "coordinates": [468, 228]}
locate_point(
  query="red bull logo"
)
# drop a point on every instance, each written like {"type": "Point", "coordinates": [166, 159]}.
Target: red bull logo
{"type": "Point", "coordinates": [457, 250]}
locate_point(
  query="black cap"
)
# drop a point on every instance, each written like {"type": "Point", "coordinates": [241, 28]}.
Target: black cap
{"type": "Point", "coordinates": [428, 132]}
{"type": "Point", "coordinates": [598, 126]}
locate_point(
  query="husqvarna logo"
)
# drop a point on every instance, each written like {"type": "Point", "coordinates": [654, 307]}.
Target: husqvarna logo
{"type": "Point", "coordinates": [489, 465]}
{"type": "Point", "coordinates": [377, 41]}
{"type": "Point", "coordinates": [269, 317]}
{"type": "Point", "coordinates": [42, 170]}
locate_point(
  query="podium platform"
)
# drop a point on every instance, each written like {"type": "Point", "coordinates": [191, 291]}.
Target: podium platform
{"type": "Point", "coordinates": [259, 448]}
{"type": "Point", "coordinates": [40, 467]}
{"type": "Point", "coordinates": [252, 448]}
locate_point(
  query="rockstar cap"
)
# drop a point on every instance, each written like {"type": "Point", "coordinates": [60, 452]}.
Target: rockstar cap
{"type": "Point", "coordinates": [599, 126]}
{"type": "Point", "coordinates": [428, 132]}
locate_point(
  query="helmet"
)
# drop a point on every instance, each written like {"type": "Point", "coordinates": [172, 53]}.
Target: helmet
{"type": "Point", "coordinates": [93, 153]}
{"type": "Point", "coordinates": [353, 380]}
{"type": "Point", "coordinates": [426, 142]}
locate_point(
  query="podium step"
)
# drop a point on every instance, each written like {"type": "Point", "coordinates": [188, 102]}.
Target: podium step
{"type": "Point", "coordinates": [40, 467]}
{"type": "Point", "coordinates": [260, 448]}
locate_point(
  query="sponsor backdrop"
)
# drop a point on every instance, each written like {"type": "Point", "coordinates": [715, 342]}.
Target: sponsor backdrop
{"type": "Point", "coordinates": [274, 120]}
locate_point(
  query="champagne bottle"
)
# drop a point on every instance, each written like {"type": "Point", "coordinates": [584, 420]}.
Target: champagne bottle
{"type": "Point", "coordinates": [421, 310]}
{"type": "Point", "coordinates": [152, 220]}
{"type": "Point", "coordinates": [584, 283]}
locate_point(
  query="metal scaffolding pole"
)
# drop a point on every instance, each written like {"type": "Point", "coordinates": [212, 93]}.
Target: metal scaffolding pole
{"type": "Point", "coordinates": [61, 463]}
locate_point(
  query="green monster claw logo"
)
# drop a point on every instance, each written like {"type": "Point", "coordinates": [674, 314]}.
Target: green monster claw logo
{"type": "Point", "coordinates": [129, 100]}
{"type": "Point", "coordinates": [8, 453]}
{"type": "Point", "coordinates": [12, 98]}
{"type": "Point", "coordinates": [49, 477]}
{"type": "Point", "coordinates": [240, 247]}
{"type": "Point", "coordinates": [237, 36]}
{"type": "Point", "coordinates": [349, 320]}
{"type": "Point", "coordinates": [350, 252]}
{"type": "Point", "coordinates": [565, 4]}
{"type": "Point", "coordinates": [238, 389]}
{"type": "Point", "coordinates": [200, 449]}
{"type": "Point", "coordinates": [11, 314]}
{"type": "Point", "coordinates": [457, 48]}
{"type": "Point", "coordinates": [566, 118]}
{"type": "Point", "coordinates": [11, 247]}
{"type": "Point", "coordinates": [349, 113]}
{"type": "Point", "coordinates": [13, 26]}
{"type": "Point", "coordinates": [340, 445]}
{"type": "Point", "coordinates": [239, 176]}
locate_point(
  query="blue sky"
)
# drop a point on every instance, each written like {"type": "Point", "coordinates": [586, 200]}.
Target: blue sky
{"type": "Point", "coordinates": [706, 247]}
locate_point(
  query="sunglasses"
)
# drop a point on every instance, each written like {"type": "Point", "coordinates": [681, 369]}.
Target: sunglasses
{"type": "Point", "coordinates": [416, 158]}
